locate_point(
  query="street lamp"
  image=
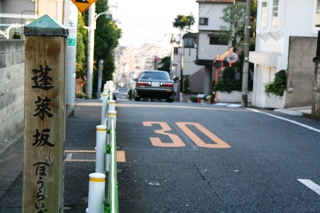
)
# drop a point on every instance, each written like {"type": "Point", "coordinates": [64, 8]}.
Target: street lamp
{"type": "Point", "coordinates": [91, 28]}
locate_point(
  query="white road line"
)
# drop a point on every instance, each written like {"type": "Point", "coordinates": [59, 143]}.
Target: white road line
{"type": "Point", "coordinates": [311, 185]}
{"type": "Point", "coordinates": [69, 156]}
{"type": "Point", "coordinates": [288, 120]}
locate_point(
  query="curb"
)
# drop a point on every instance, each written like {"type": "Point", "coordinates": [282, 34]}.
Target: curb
{"type": "Point", "coordinates": [289, 112]}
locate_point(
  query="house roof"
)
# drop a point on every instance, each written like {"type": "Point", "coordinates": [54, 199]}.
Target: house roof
{"type": "Point", "coordinates": [219, 1]}
{"type": "Point", "coordinates": [215, 1]}
{"type": "Point", "coordinates": [191, 35]}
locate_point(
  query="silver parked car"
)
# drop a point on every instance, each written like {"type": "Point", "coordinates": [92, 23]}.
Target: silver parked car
{"type": "Point", "coordinates": [154, 84]}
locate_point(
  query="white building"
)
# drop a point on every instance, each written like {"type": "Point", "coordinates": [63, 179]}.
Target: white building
{"type": "Point", "coordinates": [278, 21]}
{"type": "Point", "coordinates": [209, 43]}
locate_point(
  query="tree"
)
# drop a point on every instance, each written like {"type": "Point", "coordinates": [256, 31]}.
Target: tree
{"type": "Point", "coordinates": [183, 23]}
{"type": "Point", "coordinates": [107, 35]}
{"type": "Point", "coordinates": [234, 15]}
{"type": "Point", "coordinates": [254, 5]}
{"type": "Point", "coordinates": [81, 62]}
{"type": "Point", "coordinates": [165, 64]}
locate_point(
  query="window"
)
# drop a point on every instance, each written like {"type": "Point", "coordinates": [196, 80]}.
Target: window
{"type": "Point", "coordinates": [318, 14]}
{"type": "Point", "coordinates": [218, 40]}
{"type": "Point", "coordinates": [264, 15]}
{"type": "Point", "coordinates": [275, 10]}
{"type": "Point", "coordinates": [203, 21]}
{"type": "Point", "coordinates": [188, 42]}
{"type": "Point", "coordinates": [175, 51]}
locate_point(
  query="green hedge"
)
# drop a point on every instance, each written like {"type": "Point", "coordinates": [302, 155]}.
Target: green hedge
{"type": "Point", "coordinates": [228, 85]}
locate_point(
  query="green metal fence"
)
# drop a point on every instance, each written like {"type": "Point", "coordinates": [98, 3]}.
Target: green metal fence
{"type": "Point", "coordinates": [113, 201]}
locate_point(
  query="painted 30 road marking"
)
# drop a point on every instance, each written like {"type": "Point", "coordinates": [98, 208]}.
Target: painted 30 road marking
{"type": "Point", "coordinates": [176, 140]}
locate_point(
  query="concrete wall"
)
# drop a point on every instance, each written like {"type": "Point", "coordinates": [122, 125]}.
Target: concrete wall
{"type": "Point", "coordinates": [11, 89]}
{"type": "Point", "coordinates": [302, 50]}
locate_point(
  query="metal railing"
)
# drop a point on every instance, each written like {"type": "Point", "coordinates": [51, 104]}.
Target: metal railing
{"type": "Point", "coordinates": [113, 201]}
{"type": "Point", "coordinates": [106, 159]}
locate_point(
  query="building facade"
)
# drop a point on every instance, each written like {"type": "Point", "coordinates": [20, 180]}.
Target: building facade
{"type": "Point", "coordinates": [209, 37]}
{"type": "Point", "coordinates": [279, 25]}
{"type": "Point", "coordinates": [15, 14]}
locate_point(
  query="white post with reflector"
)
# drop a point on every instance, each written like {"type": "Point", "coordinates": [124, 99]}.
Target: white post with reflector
{"type": "Point", "coordinates": [112, 106]}
{"type": "Point", "coordinates": [104, 107]}
{"type": "Point", "coordinates": [101, 135]}
{"type": "Point", "coordinates": [97, 182]}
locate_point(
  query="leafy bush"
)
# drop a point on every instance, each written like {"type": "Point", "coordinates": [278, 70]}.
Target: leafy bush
{"type": "Point", "coordinates": [16, 35]}
{"type": "Point", "coordinates": [193, 99]}
{"type": "Point", "coordinates": [228, 85]}
{"type": "Point", "coordinates": [279, 85]}
{"type": "Point", "coordinates": [228, 73]}
{"type": "Point", "coordinates": [186, 85]}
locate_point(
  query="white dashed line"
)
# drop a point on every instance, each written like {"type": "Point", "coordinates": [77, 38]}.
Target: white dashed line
{"type": "Point", "coordinates": [311, 185]}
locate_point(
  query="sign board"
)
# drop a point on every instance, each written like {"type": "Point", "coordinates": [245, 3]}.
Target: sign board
{"type": "Point", "coordinates": [71, 42]}
{"type": "Point", "coordinates": [83, 5]}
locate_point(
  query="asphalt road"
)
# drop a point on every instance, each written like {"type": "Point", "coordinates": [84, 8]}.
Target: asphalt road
{"type": "Point", "coordinates": [240, 161]}
{"type": "Point", "coordinates": [182, 157]}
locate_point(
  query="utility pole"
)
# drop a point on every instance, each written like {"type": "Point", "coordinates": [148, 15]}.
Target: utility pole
{"type": "Point", "coordinates": [244, 102]}
{"type": "Point", "coordinates": [172, 55]}
{"type": "Point", "coordinates": [91, 28]}
{"type": "Point", "coordinates": [181, 66]}
{"type": "Point", "coordinates": [315, 111]}
{"type": "Point", "coordinates": [155, 62]}
{"type": "Point", "coordinates": [71, 21]}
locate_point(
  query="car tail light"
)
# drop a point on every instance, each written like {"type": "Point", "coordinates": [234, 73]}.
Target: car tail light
{"type": "Point", "coordinates": [143, 84]}
{"type": "Point", "coordinates": [167, 85]}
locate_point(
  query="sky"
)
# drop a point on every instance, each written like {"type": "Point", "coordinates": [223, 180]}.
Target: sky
{"type": "Point", "coordinates": [150, 21]}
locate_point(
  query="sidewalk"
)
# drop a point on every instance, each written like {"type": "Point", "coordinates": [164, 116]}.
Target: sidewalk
{"type": "Point", "coordinates": [80, 134]}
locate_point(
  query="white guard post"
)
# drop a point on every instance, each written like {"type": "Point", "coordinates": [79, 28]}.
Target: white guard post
{"type": "Point", "coordinates": [112, 106]}
{"type": "Point", "coordinates": [101, 136]}
{"type": "Point", "coordinates": [111, 115]}
{"type": "Point", "coordinates": [111, 88]}
{"type": "Point", "coordinates": [104, 108]}
{"type": "Point", "coordinates": [97, 182]}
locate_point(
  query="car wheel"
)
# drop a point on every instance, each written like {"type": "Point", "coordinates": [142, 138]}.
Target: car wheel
{"type": "Point", "coordinates": [135, 98]}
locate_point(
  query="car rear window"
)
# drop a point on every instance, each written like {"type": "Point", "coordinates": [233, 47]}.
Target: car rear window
{"type": "Point", "coordinates": [155, 75]}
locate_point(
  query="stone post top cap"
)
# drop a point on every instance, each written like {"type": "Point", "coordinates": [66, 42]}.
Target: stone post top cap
{"type": "Point", "coordinates": [45, 26]}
